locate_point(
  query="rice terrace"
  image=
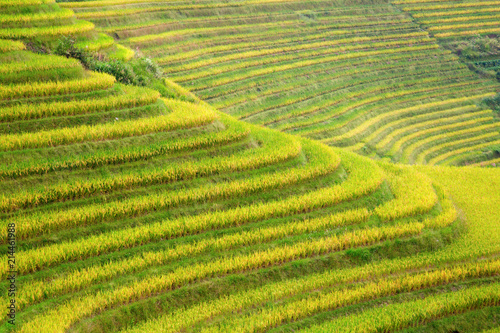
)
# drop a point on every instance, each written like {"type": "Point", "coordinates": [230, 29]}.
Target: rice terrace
{"type": "Point", "coordinates": [250, 166]}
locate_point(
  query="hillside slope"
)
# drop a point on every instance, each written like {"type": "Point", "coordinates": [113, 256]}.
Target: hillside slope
{"type": "Point", "coordinates": [355, 74]}
{"type": "Point", "coordinates": [139, 213]}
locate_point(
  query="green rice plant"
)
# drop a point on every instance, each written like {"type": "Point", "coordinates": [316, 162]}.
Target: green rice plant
{"type": "Point", "coordinates": [319, 52]}
{"type": "Point", "coordinates": [41, 63]}
{"type": "Point", "coordinates": [122, 53]}
{"type": "Point", "coordinates": [94, 81]}
{"type": "Point", "coordinates": [443, 157]}
{"type": "Point", "coordinates": [177, 57]}
{"type": "Point", "coordinates": [13, 3]}
{"type": "Point", "coordinates": [467, 32]}
{"type": "Point", "coordinates": [360, 182]}
{"type": "Point", "coordinates": [401, 315]}
{"type": "Point", "coordinates": [318, 166]}
{"type": "Point", "coordinates": [295, 310]}
{"type": "Point", "coordinates": [354, 67]}
{"type": "Point", "coordinates": [350, 44]}
{"type": "Point", "coordinates": [17, 33]}
{"type": "Point", "coordinates": [459, 19]}
{"type": "Point", "coordinates": [453, 6]}
{"type": "Point", "coordinates": [252, 73]}
{"type": "Point", "coordinates": [11, 45]}
{"type": "Point", "coordinates": [456, 116]}
{"type": "Point", "coordinates": [422, 157]}
{"type": "Point", "coordinates": [373, 121]}
{"type": "Point", "coordinates": [486, 163]}
{"type": "Point", "coordinates": [412, 110]}
{"type": "Point", "coordinates": [234, 131]}
{"type": "Point", "coordinates": [102, 42]}
{"type": "Point", "coordinates": [37, 17]}
{"type": "Point", "coordinates": [405, 143]}
{"type": "Point", "coordinates": [275, 151]}
{"type": "Point", "coordinates": [77, 280]}
{"type": "Point", "coordinates": [414, 195]}
{"type": "Point", "coordinates": [457, 12]}
{"type": "Point", "coordinates": [131, 97]}
{"type": "Point", "coordinates": [461, 26]}
{"type": "Point", "coordinates": [353, 95]}
{"type": "Point", "coordinates": [198, 116]}
{"type": "Point", "coordinates": [66, 314]}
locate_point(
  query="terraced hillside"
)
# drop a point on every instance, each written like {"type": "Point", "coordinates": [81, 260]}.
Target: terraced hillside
{"type": "Point", "coordinates": [360, 75]}
{"type": "Point", "coordinates": [469, 28]}
{"type": "Point", "coordinates": [129, 211]}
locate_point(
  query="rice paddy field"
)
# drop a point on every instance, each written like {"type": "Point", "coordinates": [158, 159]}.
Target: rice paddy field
{"type": "Point", "coordinates": [293, 166]}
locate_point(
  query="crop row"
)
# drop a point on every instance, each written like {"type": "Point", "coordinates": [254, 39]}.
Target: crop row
{"type": "Point", "coordinates": [399, 128]}
{"type": "Point", "coordinates": [402, 2]}
{"type": "Point", "coordinates": [213, 82]}
{"type": "Point", "coordinates": [328, 90]}
{"type": "Point", "coordinates": [347, 74]}
{"type": "Point", "coordinates": [360, 183]}
{"type": "Point", "coordinates": [77, 28]}
{"type": "Point", "coordinates": [45, 222]}
{"type": "Point", "coordinates": [197, 116]}
{"type": "Point", "coordinates": [412, 110]}
{"type": "Point", "coordinates": [445, 156]}
{"type": "Point", "coordinates": [453, 6]}
{"type": "Point", "coordinates": [343, 78]}
{"type": "Point", "coordinates": [487, 163]}
{"type": "Point", "coordinates": [275, 34]}
{"type": "Point", "coordinates": [11, 3]}
{"type": "Point", "coordinates": [42, 63]}
{"type": "Point", "coordinates": [299, 309]}
{"type": "Point", "coordinates": [94, 81]}
{"type": "Point", "coordinates": [461, 26]}
{"type": "Point", "coordinates": [285, 14]}
{"type": "Point", "coordinates": [122, 53]}
{"type": "Point", "coordinates": [467, 32]}
{"type": "Point", "coordinates": [276, 291]}
{"type": "Point", "coordinates": [37, 17]}
{"type": "Point", "coordinates": [343, 54]}
{"type": "Point", "coordinates": [266, 25]}
{"type": "Point", "coordinates": [38, 290]}
{"type": "Point", "coordinates": [372, 63]}
{"type": "Point", "coordinates": [143, 9]}
{"type": "Point", "coordinates": [131, 97]}
{"type": "Point", "coordinates": [80, 279]}
{"type": "Point", "coordinates": [234, 131]}
{"type": "Point", "coordinates": [103, 41]}
{"type": "Point", "coordinates": [418, 123]}
{"type": "Point", "coordinates": [276, 150]}
{"type": "Point", "coordinates": [315, 125]}
{"type": "Point", "coordinates": [319, 165]}
{"type": "Point", "coordinates": [11, 45]}
{"type": "Point", "coordinates": [395, 317]}
{"type": "Point", "coordinates": [175, 57]}
{"type": "Point", "coordinates": [359, 112]}
{"type": "Point", "coordinates": [374, 106]}
{"type": "Point", "coordinates": [457, 12]}
{"type": "Point", "coordinates": [271, 293]}
{"type": "Point", "coordinates": [460, 19]}
{"type": "Point", "coordinates": [413, 193]}
{"type": "Point", "coordinates": [439, 133]}
{"type": "Point", "coordinates": [284, 49]}
{"type": "Point", "coordinates": [424, 155]}
{"type": "Point", "coordinates": [60, 318]}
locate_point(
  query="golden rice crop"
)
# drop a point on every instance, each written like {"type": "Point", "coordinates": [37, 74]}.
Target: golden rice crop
{"type": "Point", "coordinates": [198, 116]}
{"type": "Point", "coordinates": [17, 33]}
{"type": "Point", "coordinates": [94, 81]}
{"type": "Point", "coordinates": [132, 97]}
{"type": "Point", "coordinates": [11, 45]}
